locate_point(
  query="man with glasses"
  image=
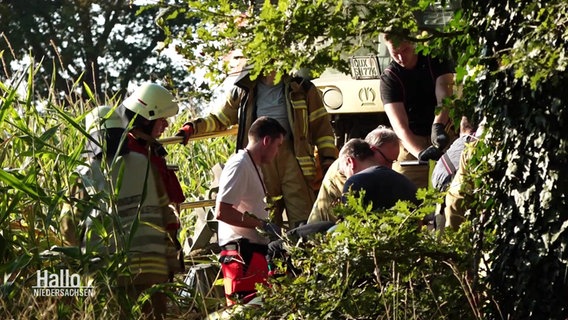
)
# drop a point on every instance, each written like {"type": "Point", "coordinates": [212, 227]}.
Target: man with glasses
{"type": "Point", "coordinates": [381, 138]}
{"type": "Point", "coordinates": [368, 167]}
{"type": "Point", "coordinates": [385, 142]}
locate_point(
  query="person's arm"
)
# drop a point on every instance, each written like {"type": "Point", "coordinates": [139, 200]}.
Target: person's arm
{"type": "Point", "coordinates": [399, 121]}
{"type": "Point", "coordinates": [322, 207]}
{"type": "Point", "coordinates": [227, 213]}
{"type": "Point", "coordinates": [444, 89]}
{"type": "Point", "coordinates": [320, 129]}
{"type": "Point", "coordinates": [218, 120]}
{"type": "Point", "coordinates": [326, 200]}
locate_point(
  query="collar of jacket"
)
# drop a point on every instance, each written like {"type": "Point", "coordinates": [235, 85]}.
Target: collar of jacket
{"type": "Point", "coordinates": [244, 81]}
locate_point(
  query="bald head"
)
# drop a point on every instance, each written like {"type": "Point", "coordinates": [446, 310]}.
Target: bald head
{"type": "Point", "coordinates": [385, 143]}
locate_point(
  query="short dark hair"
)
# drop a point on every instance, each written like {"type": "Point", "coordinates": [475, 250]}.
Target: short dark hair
{"type": "Point", "coordinates": [356, 148]}
{"type": "Point", "coordinates": [265, 127]}
{"type": "Point", "coordinates": [398, 35]}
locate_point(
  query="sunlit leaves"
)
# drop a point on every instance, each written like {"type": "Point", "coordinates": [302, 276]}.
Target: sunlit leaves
{"type": "Point", "coordinates": [298, 34]}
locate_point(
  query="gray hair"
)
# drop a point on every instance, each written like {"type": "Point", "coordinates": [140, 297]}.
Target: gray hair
{"type": "Point", "coordinates": [381, 135]}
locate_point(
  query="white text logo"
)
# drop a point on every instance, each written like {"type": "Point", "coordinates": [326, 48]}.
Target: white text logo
{"type": "Point", "coordinates": [62, 284]}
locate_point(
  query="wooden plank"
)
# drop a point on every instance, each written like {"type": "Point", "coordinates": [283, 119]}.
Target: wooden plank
{"type": "Point", "coordinates": [177, 139]}
{"type": "Point", "coordinates": [197, 204]}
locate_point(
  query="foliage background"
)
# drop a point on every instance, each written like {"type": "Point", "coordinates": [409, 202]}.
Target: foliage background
{"type": "Point", "coordinates": [110, 45]}
{"type": "Point", "coordinates": [512, 64]}
{"type": "Point", "coordinates": [520, 174]}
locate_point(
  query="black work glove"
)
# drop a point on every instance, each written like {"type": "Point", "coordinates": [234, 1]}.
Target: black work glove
{"type": "Point", "coordinates": [430, 153]}
{"type": "Point", "coordinates": [271, 230]}
{"type": "Point", "coordinates": [439, 137]}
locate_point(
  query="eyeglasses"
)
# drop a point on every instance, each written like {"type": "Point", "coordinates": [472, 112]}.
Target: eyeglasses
{"type": "Point", "coordinates": [389, 161]}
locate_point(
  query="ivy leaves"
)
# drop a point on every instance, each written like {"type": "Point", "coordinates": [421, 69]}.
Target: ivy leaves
{"type": "Point", "coordinates": [289, 35]}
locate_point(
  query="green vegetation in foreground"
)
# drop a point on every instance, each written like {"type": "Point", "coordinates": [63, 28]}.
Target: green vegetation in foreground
{"type": "Point", "coordinates": [378, 265]}
{"type": "Point", "coordinates": [42, 141]}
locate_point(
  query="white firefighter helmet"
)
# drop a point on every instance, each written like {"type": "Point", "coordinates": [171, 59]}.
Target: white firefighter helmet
{"type": "Point", "coordinates": [151, 101]}
{"type": "Point", "coordinates": [106, 126]}
{"type": "Point", "coordinates": [104, 117]}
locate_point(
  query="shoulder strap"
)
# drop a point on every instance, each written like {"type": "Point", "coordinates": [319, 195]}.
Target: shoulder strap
{"type": "Point", "coordinates": [448, 165]}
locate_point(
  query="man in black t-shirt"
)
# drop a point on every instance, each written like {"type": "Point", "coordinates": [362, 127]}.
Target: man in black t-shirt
{"type": "Point", "coordinates": [411, 88]}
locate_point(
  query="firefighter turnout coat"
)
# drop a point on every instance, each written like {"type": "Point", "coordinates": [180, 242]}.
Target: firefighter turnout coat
{"type": "Point", "coordinates": [307, 116]}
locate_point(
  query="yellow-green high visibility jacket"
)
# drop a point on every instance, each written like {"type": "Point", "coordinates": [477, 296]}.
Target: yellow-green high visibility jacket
{"type": "Point", "coordinates": [329, 195]}
{"type": "Point", "coordinates": [308, 119]}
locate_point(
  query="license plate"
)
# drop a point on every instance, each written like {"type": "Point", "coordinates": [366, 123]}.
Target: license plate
{"type": "Point", "coordinates": [364, 67]}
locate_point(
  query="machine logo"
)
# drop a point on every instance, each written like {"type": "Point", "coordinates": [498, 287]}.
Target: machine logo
{"type": "Point", "coordinates": [367, 96]}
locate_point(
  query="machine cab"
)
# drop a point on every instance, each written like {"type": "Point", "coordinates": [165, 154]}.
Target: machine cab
{"type": "Point", "coordinates": [353, 100]}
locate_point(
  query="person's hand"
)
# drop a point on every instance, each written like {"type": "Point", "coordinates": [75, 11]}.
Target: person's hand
{"type": "Point", "coordinates": [439, 137]}
{"type": "Point", "coordinates": [430, 153]}
{"type": "Point", "coordinates": [185, 132]}
{"type": "Point", "coordinates": [272, 230]}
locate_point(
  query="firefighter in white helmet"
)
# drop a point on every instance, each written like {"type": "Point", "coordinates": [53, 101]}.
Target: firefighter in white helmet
{"type": "Point", "coordinates": [148, 107]}
{"type": "Point", "coordinates": [141, 200]}
{"type": "Point", "coordinates": [152, 102]}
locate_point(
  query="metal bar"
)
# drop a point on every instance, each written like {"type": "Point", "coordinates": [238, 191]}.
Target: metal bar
{"type": "Point", "coordinates": [413, 163]}
{"type": "Point", "coordinates": [177, 139]}
{"type": "Point", "coordinates": [197, 204]}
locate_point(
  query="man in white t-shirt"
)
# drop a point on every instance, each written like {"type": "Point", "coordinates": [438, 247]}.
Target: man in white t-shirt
{"type": "Point", "coordinates": [296, 104]}
{"type": "Point", "coordinates": [241, 211]}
